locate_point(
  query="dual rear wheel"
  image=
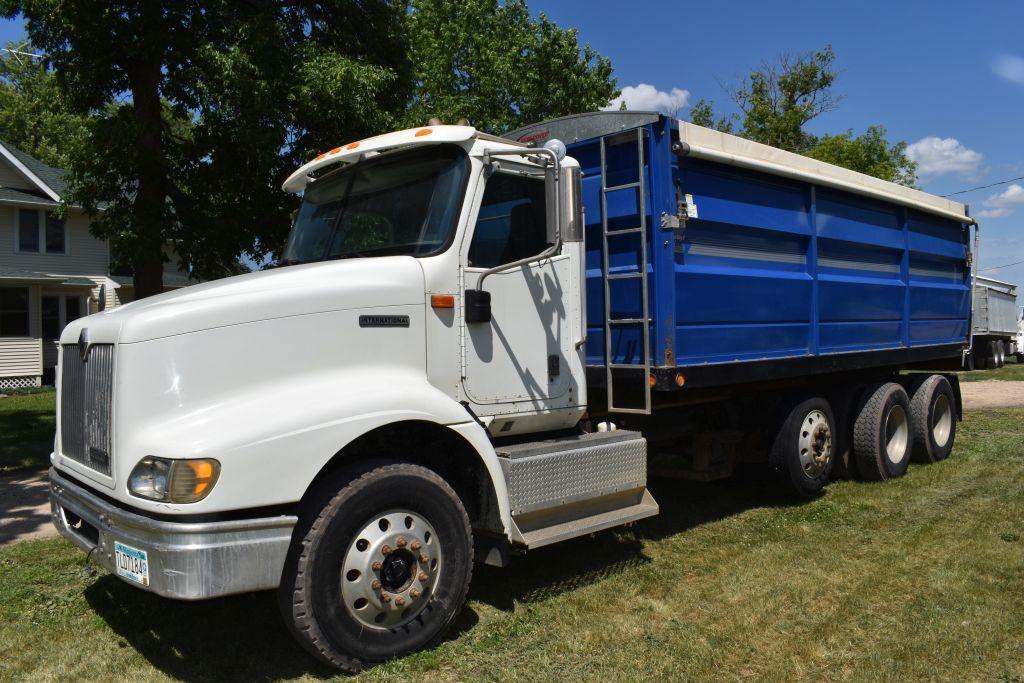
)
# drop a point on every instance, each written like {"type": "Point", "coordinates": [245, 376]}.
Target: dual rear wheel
{"type": "Point", "coordinates": [890, 427]}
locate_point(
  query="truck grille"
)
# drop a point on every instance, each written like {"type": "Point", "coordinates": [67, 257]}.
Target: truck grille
{"type": "Point", "coordinates": [86, 393]}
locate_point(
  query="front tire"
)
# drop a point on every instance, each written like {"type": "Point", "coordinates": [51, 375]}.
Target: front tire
{"type": "Point", "coordinates": [380, 568]}
{"type": "Point", "coordinates": [881, 434]}
{"type": "Point", "coordinates": [803, 452]}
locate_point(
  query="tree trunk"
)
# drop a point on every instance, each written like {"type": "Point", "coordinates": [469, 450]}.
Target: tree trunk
{"type": "Point", "coordinates": [149, 209]}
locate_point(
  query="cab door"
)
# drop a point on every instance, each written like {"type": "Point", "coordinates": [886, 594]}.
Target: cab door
{"type": "Point", "coordinates": [522, 355]}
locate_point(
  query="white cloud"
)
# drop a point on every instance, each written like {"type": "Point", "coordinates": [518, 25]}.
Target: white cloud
{"type": "Point", "coordinates": [1004, 203]}
{"type": "Point", "coordinates": [935, 156]}
{"type": "Point", "coordinates": [646, 97]}
{"type": "Point", "coordinates": [1010, 67]}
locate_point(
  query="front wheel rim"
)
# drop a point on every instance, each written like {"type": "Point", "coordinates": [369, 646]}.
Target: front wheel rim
{"type": "Point", "coordinates": [896, 434]}
{"type": "Point", "coordinates": [942, 420]}
{"type": "Point", "coordinates": [815, 443]}
{"type": "Point", "coordinates": [391, 569]}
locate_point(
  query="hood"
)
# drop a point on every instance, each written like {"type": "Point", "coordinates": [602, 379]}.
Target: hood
{"type": "Point", "coordinates": [281, 292]}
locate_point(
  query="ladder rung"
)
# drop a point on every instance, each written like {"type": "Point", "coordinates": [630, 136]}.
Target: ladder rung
{"type": "Point", "coordinates": [624, 231]}
{"type": "Point", "coordinates": [627, 366]}
{"type": "Point", "coordinates": [625, 186]}
{"type": "Point", "coordinates": [623, 276]}
{"type": "Point", "coordinates": [628, 321]}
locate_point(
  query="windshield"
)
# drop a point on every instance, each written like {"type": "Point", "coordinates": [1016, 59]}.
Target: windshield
{"type": "Point", "coordinates": [399, 204]}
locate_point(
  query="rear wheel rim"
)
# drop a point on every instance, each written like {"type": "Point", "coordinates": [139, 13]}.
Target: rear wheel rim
{"type": "Point", "coordinates": [814, 443]}
{"type": "Point", "coordinates": [942, 420]}
{"type": "Point", "coordinates": [896, 433]}
{"type": "Point", "coordinates": [390, 569]}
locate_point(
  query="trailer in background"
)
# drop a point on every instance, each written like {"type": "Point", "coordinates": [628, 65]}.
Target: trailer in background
{"type": "Point", "coordinates": [996, 326]}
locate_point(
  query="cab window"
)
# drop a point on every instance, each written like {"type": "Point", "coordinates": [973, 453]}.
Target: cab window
{"type": "Point", "coordinates": [511, 224]}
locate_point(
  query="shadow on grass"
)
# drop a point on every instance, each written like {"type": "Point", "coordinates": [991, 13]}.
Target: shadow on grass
{"type": "Point", "coordinates": [26, 438]}
{"type": "Point", "coordinates": [244, 638]}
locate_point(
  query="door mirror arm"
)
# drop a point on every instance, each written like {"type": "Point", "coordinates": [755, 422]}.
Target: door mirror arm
{"type": "Point", "coordinates": [478, 301]}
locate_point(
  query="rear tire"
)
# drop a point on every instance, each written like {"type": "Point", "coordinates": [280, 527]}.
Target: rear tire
{"type": "Point", "coordinates": [380, 568]}
{"type": "Point", "coordinates": [992, 358]}
{"type": "Point", "coordinates": [933, 419]}
{"type": "Point", "coordinates": [882, 439]}
{"type": "Point", "coordinates": [804, 448]}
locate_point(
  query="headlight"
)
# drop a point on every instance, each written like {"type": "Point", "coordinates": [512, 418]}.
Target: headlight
{"type": "Point", "coordinates": [173, 481]}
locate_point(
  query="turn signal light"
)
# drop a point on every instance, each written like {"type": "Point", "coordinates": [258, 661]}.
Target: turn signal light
{"type": "Point", "coordinates": [173, 481]}
{"type": "Point", "coordinates": [442, 301]}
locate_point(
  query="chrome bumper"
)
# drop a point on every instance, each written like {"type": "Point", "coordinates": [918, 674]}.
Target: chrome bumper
{"type": "Point", "coordinates": [187, 561]}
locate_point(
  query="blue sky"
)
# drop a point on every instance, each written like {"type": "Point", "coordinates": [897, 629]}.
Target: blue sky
{"type": "Point", "coordinates": [946, 77]}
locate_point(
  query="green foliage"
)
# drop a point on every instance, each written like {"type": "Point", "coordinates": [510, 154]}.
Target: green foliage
{"type": "Point", "coordinates": [494, 64]}
{"type": "Point", "coordinates": [35, 115]}
{"type": "Point", "coordinates": [778, 100]}
{"type": "Point", "coordinates": [868, 153]}
{"type": "Point", "coordinates": [198, 109]}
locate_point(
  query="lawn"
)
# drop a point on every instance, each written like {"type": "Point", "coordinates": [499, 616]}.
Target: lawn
{"type": "Point", "coordinates": [920, 578]}
{"type": "Point", "coordinates": [1011, 371]}
{"type": "Point", "coordinates": [26, 431]}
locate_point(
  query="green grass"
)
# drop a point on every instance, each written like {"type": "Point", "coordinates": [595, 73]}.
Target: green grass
{"type": "Point", "coordinates": [26, 430]}
{"type": "Point", "coordinates": [1011, 371]}
{"type": "Point", "coordinates": [921, 578]}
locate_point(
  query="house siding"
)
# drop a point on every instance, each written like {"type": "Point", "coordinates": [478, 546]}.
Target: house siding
{"type": "Point", "coordinates": [23, 356]}
{"type": "Point", "coordinates": [11, 177]}
{"type": "Point", "coordinates": [85, 255]}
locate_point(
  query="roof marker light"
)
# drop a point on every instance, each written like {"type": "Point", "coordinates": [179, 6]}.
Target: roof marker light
{"type": "Point", "coordinates": [335, 150]}
{"type": "Point", "coordinates": [423, 131]}
{"type": "Point", "coordinates": [352, 145]}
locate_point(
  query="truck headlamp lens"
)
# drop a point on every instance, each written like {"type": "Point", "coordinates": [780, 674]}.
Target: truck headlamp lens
{"type": "Point", "coordinates": [173, 481]}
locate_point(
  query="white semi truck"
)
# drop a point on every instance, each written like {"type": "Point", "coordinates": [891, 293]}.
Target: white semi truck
{"type": "Point", "coordinates": [445, 368]}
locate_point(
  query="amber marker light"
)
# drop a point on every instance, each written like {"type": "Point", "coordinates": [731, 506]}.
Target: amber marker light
{"type": "Point", "coordinates": [653, 380]}
{"type": "Point", "coordinates": [352, 145]}
{"type": "Point", "coordinates": [442, 301]}
{"type": "Point", "coordinates": [680, 380]}
{"type": "Point", "coordinates": [422, 132]}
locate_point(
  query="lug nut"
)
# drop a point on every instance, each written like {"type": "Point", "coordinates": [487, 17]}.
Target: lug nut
{"type": "Point", "coordinates": [376, 566]}
{"type": "Point", "coordinates": [375, 585]}
{"type": "Point", "coordinates": [415, 545]}
{"type": "Point", "coordinates": [414, 593]}
{"type": "Point", "coordinates": [385, 598]}
{"type": "Point", "coordinates": [399, 601]}
{"type": "Point", "coordinates": [423, 576]}
{"type": "Point", "coordinates": [400, 542]}
{"type": "Point", "coordinates": [386, 550]}
{"type": "Point", "coordinates": [423, 558]}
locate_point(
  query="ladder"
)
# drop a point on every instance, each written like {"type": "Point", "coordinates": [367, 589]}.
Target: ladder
{"type": "Point", "coordinates": [643, 322]}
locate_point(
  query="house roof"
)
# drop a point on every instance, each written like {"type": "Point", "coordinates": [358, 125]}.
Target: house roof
{"type": "Point", "coordinates": [53, 177]}
{"type": "Point", "coordinates": [37, 276]}
{"type": "Point", "coordinates": [8, 194]}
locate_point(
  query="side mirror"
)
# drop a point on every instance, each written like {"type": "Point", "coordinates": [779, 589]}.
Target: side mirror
{"type": "Point", "coordinates": [551, 202]}
{"type": "Point", "coordinates": [478, 306]}
{"type": "Point", "coordinates": [572, 204]}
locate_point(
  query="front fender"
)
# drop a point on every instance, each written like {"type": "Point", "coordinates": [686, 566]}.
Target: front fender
{"type": "Point", "coordinates": [271, 446]}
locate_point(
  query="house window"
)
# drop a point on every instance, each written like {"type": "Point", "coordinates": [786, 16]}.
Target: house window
{"type": "Point", "coordinates": [51, 317]}
{"type": "Point", "coordinates": [39, 233]}
{"type": "Point", "coordinates": [57, 312]}
{"type": "Point", "coordinates": [56, 234]}
{"type": "Point", "coordinates": [28, 230]}
{"type": "Point", "coordinates": [13, 311]}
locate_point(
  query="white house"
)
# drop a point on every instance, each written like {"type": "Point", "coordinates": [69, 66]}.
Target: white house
{"type": "Point", "coordinates": [51, 270]}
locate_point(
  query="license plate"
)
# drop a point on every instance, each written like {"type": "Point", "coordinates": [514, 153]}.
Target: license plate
{"type": "Point", "coordinates": [131, 563]}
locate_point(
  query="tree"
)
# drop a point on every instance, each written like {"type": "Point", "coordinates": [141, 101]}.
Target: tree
{"type": "Point", "coordinates": [198, 109]}
{"type": "Point", "coordinates": [35, 116]}
{"type": "Point", "coordinates": [494, 64]}
{"type": "Point", "coordinates": [778, 100]}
